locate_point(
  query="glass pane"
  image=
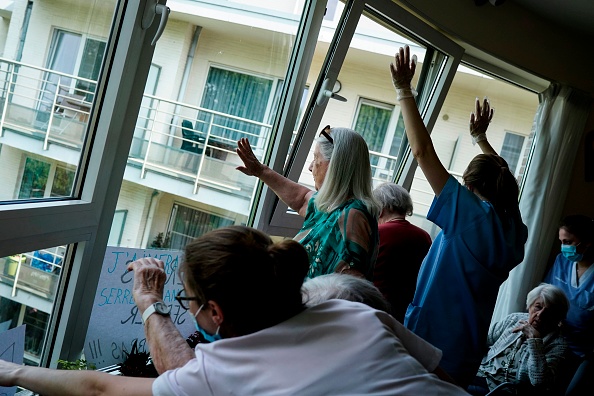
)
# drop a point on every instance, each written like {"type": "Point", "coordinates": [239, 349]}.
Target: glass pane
{"type": "Point", "coordinates": [514, 110]}
{"type": "Point", "coordinates": [511, 149]}
{"type": "Point", "coordinates": [48, 79]}
{"type": "Point", "coordinates": [217, 74]}
{"type": "Point", "coordinates": [28, 285]}
{"type": "Point", "coordinates": [371, 107]}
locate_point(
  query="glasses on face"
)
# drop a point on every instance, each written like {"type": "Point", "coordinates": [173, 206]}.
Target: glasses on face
{"type": "Point", "coordinates": [182, 299]}
{"type": "Point", "coordinates": [326, 133]}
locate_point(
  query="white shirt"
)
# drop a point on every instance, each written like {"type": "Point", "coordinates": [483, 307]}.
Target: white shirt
{"type": "Point", "coordinates": [334, 348]}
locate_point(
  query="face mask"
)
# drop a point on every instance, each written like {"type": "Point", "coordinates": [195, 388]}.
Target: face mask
{"type": "Point", "coordinates": [570, 253]}
{"type": "Point", "coordinates": [207, 337]}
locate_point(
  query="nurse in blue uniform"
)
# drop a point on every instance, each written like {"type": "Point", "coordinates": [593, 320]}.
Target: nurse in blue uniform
{"type": "Point", "coordinates": [573, 272]}
{"type": "Point", "coordinates": [482, 237]}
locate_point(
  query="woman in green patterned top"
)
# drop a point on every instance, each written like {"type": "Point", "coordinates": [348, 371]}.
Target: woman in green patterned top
{"type": "Point", "coordinates": [340, 228]}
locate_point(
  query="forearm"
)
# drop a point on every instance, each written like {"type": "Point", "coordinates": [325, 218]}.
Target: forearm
{"type": "Point", "coordinates": [542, 366]}
{"type": "Point", "coordinates": [71, 383]}
{"type": "Point", "coordinates": [169, 349]}
{"type": "Point", "coordinates": [486, 147]}
{"type": "Point", "coordinates": [293, 194]}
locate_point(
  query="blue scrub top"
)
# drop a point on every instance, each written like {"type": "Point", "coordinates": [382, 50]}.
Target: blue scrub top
{"type": "Point", "coordinates": [579, 324]}
{"type": "Point", "coordinates": [460, 277]}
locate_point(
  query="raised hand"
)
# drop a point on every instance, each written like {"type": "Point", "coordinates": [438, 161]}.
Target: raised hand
{"type": "Point", "coordinates": [251, 165]}
{"type": "Point", "coordinates": [403, 68]}
{"type": "Point", "coordinates": [481, 117]}
{"type": "Point", "coordinates": [149, 281]}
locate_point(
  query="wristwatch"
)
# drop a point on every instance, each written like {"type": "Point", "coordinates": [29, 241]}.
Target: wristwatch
{"type": "Point", "coordinates": [159, 307]}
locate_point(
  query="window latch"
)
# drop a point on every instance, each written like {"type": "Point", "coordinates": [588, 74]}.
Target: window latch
{"type": "Point", "coordinates": [151, 10]}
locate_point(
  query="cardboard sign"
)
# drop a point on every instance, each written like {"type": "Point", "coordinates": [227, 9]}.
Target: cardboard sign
{"type": "Point", "coordinates": [115, 321]}
{"type": "Point", "coordinates": [12, 349]}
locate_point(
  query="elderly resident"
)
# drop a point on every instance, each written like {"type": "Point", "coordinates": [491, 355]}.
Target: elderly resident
{"type": "Point", "coordinates": [403, 246]}
{"type": "Point", "coordinates": [241, 293]}
{"type": "Point", "coordinates": [340, 227]}
{"type": "Point", "coordinates": [482, 237]}
{"type": "Point", "coordinates": [526, 347]}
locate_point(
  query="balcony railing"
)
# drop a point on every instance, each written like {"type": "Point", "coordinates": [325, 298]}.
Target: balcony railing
{"type": "Point", "coordinates": [188, 143]}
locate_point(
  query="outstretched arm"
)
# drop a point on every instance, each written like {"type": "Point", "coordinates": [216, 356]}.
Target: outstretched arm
{"type": "Point", "coordinates": [479, 122]}
{"type": "Point", "coordinates": [169, 349]}
{"type": "Point", "coordinates": [72, 383]}
{"type": "Point", "coordinates": [293, 194]}
{"type": "Point", "coordinates": [403, 70]}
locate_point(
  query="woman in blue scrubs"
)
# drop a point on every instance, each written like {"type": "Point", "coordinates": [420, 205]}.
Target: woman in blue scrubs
{"type": "Point", "coordinates": [573, 272]}
{"type": "Point", "coordinates": [482, 237]}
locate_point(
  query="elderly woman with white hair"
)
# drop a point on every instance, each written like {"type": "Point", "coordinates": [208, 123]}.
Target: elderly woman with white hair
{"type": "Point", "coordinates": [403, 246]}
{"type": "Point", "coordinates": [526, 348]}
{"type": "Point", "coordinates": [340, 228]}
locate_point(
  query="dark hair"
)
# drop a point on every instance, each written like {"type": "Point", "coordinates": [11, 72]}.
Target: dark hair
{"type": "Point", "coordinates": [489, 175]}
{"type": "Point", "coordinates": [582, 227]}
{"type": "Point", "coordinates": [255, 281]}
{"type": "Point", "coordinates": [579, 225]}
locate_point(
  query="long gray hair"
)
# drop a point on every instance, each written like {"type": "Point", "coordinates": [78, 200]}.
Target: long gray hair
{"type": "Point", "coordinates": [349, 171]}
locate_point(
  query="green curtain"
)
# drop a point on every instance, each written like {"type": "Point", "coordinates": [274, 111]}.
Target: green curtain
{"type": "Point", "coordinates": [236, 94]}
{"type": "Point", "coordinates": [191, 223]}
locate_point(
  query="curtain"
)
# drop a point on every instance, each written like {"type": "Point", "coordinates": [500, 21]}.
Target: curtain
{"type": "Point", "coordinates": [558, 124]}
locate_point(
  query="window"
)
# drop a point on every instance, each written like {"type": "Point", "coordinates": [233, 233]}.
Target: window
{"type": "Point", "coordinates": [512, 149]}
{"type": "Point", "coordinates": [376, 122]}
{"type": "Point", "coordinates": [37, 173]}
{"type": "Point", "coordinates": [242, 97]}
{"type": "Point", "coordinates": [188, 223]}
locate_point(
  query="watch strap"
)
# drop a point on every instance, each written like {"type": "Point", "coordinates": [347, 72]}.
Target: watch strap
{"type": "Point", "coordinates": [153, 309]}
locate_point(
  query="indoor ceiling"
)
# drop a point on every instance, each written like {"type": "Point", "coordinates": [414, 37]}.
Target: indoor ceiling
{"type": "Point", "coordinates": [574, 14]}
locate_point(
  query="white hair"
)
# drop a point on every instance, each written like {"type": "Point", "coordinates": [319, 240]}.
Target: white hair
{"type": "Point", "coordinates": [344, 287]}
{"type": "Point", "coordinates": [553, 298]}
{"type": "Point", "coordinates": [349, 171]}
{"type": "Point", "coordinates": [394, 198]}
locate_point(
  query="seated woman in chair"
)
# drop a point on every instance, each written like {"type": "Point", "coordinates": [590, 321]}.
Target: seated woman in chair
{"type": "Point", "coordinates": [526, 348]}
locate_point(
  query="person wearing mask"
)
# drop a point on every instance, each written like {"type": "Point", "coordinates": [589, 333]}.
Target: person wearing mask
{"type": "Point", "coordinates": [340, 227]}
{"type": "Point", "coordinates": [482, 237]}
{"type": "Point", "coordinates": [573, 272]}
{"type": "Point", "coordinates": [243, 291]}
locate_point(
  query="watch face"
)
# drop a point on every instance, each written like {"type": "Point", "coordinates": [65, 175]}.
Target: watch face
{"type": "Point", "coordinates": [162, 308]}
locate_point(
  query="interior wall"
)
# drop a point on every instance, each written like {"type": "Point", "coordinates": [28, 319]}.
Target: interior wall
{"type": "Point", "coordinates": [514, 35]}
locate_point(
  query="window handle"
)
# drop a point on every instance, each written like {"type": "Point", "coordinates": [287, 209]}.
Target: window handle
{"type": "Point", "coordinates": [326, 92]}
{"type": "Point", "coordinates": [152, 9]}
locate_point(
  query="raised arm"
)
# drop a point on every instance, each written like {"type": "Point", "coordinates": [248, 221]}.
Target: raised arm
{"type": "Point", "coordinates": [479, 122]}
{"type": "Point", "coordinates": [169, 349]}
{"type": "Point", "coordinates": [293, 194]}
{"type": "Point", "coordinates": [403, 70]}
{"type": "Point", "coordinates": [72, 383]}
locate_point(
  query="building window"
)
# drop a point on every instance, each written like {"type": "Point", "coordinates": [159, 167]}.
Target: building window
{"type": "Point", "coordinates": [511, 150]}
{"type": "Point", "coordinates": [187, 223]}
{"type": "Point", "coordinates": [37, 173]}
{"type": "Point", "coordinates": [239, 95]}
{"type": "Point", "coordinates": [382, 128]}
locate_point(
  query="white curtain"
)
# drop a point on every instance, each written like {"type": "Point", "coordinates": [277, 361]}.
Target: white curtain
{"type": "Point", "coordinates": [558, 124]}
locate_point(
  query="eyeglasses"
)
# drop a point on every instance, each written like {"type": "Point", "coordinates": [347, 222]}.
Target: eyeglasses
{"type": "Point", "coordinates": [182, 299]}
{"type": "Point", "coordinates": [326, 133]}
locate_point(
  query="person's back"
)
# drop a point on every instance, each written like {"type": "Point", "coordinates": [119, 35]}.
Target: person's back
{"type": "Point", "coordinates": [336, 347]}
{"type": "Point", "coordinates": [459, 280]}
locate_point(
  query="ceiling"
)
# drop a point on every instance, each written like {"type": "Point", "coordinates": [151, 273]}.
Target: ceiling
{"type": "Point", "coordinates": [573, 14]}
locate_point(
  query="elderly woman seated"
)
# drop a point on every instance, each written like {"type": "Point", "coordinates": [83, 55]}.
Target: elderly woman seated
{"type": "Point", "coordinates": [526, 348]}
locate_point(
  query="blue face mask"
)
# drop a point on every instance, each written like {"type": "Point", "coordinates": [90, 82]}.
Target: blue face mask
{"type": "Point", "coordinates": [205, 335]}
{"type": "Point", "coordinates": [570, 253]}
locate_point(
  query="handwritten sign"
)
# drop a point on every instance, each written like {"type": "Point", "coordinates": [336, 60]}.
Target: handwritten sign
{"type": "Point", "coordinates": [12, 349]}
{"type": "Point", "coordinates": [115, 321]}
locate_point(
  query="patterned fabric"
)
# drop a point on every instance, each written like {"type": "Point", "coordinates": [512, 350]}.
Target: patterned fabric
{"type": "Point", "coordinates": [535, 360]}
{"type": "Point", "coordinates": [579, 324]}
{"type": "Point", "coordinates": [346, 237]}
